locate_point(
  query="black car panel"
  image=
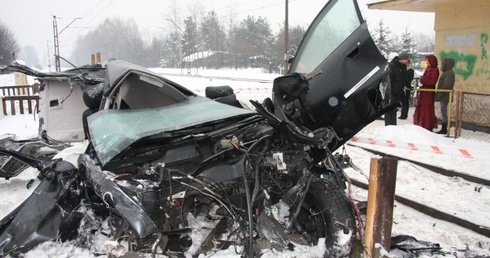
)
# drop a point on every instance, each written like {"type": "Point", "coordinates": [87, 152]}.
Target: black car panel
{"type": "Point", "coordinates": [345, 95]}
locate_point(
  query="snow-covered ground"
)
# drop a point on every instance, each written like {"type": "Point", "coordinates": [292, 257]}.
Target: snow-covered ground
{"type": "Point", "coordinates": [463, 199]}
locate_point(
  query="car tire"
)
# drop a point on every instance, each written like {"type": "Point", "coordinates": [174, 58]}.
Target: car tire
{"type": "Point", "coordinates": [334, 220]}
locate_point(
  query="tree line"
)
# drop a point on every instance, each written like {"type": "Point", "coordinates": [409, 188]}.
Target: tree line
{"type": "Point", "coordinates": [204, 42]}
{"type": "Point", "coordinates": [251, 43]}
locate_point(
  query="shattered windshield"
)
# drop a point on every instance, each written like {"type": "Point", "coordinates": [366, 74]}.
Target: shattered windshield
{"type": "Point", "coordinates": [112, 130]}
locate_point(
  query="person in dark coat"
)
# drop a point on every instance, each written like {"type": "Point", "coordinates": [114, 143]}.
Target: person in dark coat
{"type": "Point", "coordinates": [398, 70]}
{"type": "Point", "coordinates": [407, 91]}
{"type": "Point", "coordinates": [424, 114]}
{"type": "Point", "coordinates": [446, 82]}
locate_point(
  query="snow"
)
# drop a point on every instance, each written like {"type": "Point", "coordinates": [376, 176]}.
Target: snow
{"type": "Point", "coordinates": [453, 195]}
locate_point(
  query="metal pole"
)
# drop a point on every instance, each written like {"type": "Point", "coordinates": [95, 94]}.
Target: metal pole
{"type": "Point", "coordinates": [56, 45]}
{"type": "Point", "coordinates": [56, 42]}
{"type": "Point", "coordinates": [459, 105]}
{"type": "Point", "coordinates": [449, 114]}
{"type": "Point", "coordinates": [286, 39]}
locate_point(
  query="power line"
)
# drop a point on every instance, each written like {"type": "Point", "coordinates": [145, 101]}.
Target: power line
{"type": "Point", "coordinates": [71, 6]}
{"type": "Point", "coordinates": [86, 26]}
{"type": "Point", "coordinates": [281, 2]}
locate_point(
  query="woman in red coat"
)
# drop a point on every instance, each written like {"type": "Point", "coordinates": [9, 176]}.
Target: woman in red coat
{"type": "Point", "coordinates": [424, 114]}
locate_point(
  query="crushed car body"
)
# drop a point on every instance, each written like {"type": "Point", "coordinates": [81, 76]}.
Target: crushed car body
{"type": "Point", "coordinates": [157, 153]}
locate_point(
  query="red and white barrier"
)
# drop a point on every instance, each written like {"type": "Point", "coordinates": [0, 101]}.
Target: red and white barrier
{"type": "Point", "coordinates": [413, 146]}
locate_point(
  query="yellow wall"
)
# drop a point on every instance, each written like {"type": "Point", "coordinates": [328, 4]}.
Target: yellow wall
{"type": "Point", "coordinates": [463, 33]}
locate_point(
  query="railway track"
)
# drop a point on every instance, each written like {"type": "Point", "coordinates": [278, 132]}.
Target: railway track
{"type": "Point", "coordinates": [435, 169]}
{"type": "Point", "coordinates": [423, 208]}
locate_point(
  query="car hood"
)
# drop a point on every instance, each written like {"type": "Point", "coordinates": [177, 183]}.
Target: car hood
{"type": "Point", "coordinates": [112, 130]}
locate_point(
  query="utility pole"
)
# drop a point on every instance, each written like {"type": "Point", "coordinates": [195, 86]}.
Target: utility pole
{"type": "Point", "coordinates": [56, 45]}
{"type": "Point", "coordinates": [286, 40]}
{"type": "Point", "coordinates": [56, 42]}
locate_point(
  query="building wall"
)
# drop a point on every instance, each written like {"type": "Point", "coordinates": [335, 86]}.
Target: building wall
{"type": "Point", "coordinates": [463, 33]}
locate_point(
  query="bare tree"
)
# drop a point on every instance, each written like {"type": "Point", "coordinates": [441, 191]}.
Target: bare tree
{"type": "Point", "coordinates": [173, 17]}
{"type": "Point", "coordinates": [230, 23]}
{"type": "Point", "coordinates": [113, 38]}
{"type": "Point", "coordinates": [196, 10]}
{"type": "Point", "coordinates": [8, 45]}
{"type": "Point", "coordinates": [425, 42]}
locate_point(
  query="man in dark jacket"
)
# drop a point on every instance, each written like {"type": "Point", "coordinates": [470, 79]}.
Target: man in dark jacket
{"type": "Point", "coordinates": [398, 70]}
{"type": "Point", "coordinates": [446, 82]}
{"type": "Point", "coordinates": [407, 91]}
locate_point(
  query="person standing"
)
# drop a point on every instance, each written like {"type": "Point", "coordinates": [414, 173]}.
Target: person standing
{"type": "Point", "coordinates": [407, 91]}
{"type": "Point", "coordinates": [398, 70]}
{"type": "Point", "coordinates": [424, 114]}
{"type": "Point", "coordinates": [446, 82]}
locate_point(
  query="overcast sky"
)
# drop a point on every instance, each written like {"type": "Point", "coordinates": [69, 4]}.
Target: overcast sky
{"type": "Point", "coordinates": [32, 20]}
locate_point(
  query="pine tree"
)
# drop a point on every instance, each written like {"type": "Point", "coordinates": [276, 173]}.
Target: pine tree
{"type": "Point", "coordinates": [171, 56]}
{"type": "Point", "coordinates": [382, 40]}
{"type": "Point", "coordinates": [250, 41]}
{"type": "Point", "coordinates": [407, 42]}
{"type": "Point", "coordinates": [191, 40]}
{"type": "Point", "coordinates": [213, 38]}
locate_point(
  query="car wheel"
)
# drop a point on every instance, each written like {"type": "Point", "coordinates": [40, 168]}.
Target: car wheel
{"type": "Point", "coordinates": [328, 213]}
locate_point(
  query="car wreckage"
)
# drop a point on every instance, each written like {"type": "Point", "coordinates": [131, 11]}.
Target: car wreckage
{"type": "Point", "coordinates": [157, 152]}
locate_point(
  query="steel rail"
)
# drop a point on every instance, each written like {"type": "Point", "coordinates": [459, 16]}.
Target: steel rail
{"type": "Point", "coordinates": [439, 170]}
{"type": "Point", "coordinates": [435, 213]}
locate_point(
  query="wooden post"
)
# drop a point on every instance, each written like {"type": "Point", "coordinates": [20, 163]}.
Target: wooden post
{"type": "Point", "coordinates": [98, 58]}
{"type": "Point", "coordinates": [3, 112]}
{"type": "Point", "coordinates": [20, 79]}
{"type": "Point", "coordinates": [92, 59]}
{"type": "Point", "coordinates": [381, 199]}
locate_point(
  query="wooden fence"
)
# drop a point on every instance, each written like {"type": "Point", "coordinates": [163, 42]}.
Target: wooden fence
{"type": "Point", "coordinates": [20, 99]}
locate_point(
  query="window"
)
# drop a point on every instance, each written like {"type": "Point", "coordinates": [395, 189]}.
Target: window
{"type": "Point", "coordinates": [332, 26]}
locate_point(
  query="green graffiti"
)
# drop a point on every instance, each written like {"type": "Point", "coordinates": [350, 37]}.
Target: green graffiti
{"type": "Point", "coordinates": [484, 71]}
{"type": "Point", "coordinates": [465, 64]}
{"type": "Point", "coordinates": [483, 43]}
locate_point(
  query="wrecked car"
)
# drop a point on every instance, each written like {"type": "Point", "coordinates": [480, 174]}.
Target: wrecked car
{"type": "Point", "coordinates": [157, 153]}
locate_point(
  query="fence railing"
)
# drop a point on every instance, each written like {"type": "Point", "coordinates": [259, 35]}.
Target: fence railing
{"type": "Point", "coordinates": [473, 116]}
{"type": "Point", "coordinates": [20, 99]}
{"type": "Point", "coordinates": [466, 111]}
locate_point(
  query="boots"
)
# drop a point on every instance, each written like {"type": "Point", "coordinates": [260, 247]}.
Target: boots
{"type": "Point", "coordinates": [404, 113]}
{"type": "Point", "coordinates": [443, 129]}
